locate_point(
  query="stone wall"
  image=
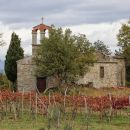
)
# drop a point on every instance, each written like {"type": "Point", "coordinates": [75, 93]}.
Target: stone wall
{"type": "Point", "coordinates": [51, 82]}
{"type": "Point", "coordinates": [26, 79]}
{"type": "Point", "coordinates": [114, 73]}
{"type": "Point", "coordinates": [93, 75]}
{"type": "Point", "coordinates": [121, 72]}
{"type": "Point", "coordinates": [35, 48]}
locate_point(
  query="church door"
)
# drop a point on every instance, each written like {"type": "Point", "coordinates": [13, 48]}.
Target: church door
{"type": "Point", "coordinates": [41, 84]}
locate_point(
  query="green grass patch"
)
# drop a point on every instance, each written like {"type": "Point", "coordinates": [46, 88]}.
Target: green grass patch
{"type": "Point", "coordinates": [80, 122]}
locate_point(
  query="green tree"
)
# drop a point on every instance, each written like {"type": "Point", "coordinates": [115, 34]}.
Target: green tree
{"type": "Point", "coordinates": [64, 56]}
{"type": "Point", "coordinates": [101, 47]}
{"type": "Point", "coordinates": [14, 53]}
{"type": "Point", "coordinates": [123, 38]}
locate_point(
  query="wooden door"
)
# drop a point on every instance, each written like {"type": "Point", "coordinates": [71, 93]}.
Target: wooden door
{"type": "Point", "coordinates": [41, 84]}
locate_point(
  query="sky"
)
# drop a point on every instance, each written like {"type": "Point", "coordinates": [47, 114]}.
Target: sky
{"type": "Point", "coordinates": [98, 19]}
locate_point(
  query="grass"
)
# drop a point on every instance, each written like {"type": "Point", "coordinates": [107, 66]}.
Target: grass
{"type": "Point", "coordinates": [99, 92]}
{"type": "Point", "coordinates": [79, 90]}
{"type": "Point", "coordinates": [121, 122]}
{"type": "Point", "coordinates": [25, 123]}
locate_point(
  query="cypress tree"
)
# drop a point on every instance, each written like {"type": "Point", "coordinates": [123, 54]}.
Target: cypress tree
{"type": "Point", "coordinates": [14, 53]}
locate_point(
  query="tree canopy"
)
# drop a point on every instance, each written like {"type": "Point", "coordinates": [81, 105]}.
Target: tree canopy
{"type": "Point", "coordinates": [64, 56]}
{"type": "Point", "coordinates": [14, 53]}
{"type": "Point", "coordinates": [101, 47]}
{"type": "Point", "coordinates": [123, 38]}
{"type": "Point", "coordinates": [124, 46]}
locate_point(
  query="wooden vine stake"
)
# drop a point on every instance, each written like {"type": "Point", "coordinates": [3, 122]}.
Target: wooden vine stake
{"type": "Point", "coordinates": [110, 112]}
{"type": "Point", "coordinates": [36, 106]}
{"type": "Point", "coordinates": [22, 101]}
{"type": "Point", "coordinates": [30, 103]}
{"type": "Point", "coordinates": [14, 109]}
{"type": "Point", "coordinates": [129, 99]}
{"type": "Point", "coordinates": [65, 96]}
{"type": "Point", "coordinates": [86, 112]}
{"type": "Point", "coordinates": [49, 99]}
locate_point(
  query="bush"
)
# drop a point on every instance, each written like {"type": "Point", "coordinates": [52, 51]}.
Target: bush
{"type": "Point", "coordinates": [4, 82]}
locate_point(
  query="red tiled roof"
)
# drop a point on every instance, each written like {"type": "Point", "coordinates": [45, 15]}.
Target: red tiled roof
{"type": "Point", "coordinates": [41, 27]}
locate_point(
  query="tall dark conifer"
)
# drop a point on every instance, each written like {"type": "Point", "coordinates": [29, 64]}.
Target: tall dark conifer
{"type": "Point", "coordinates": [14, 53]}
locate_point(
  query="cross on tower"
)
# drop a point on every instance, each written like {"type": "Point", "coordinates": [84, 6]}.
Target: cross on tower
{"type": "Point", "coordinates": [42, 19]}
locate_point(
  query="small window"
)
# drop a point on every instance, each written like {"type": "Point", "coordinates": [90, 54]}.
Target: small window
{"type": "Point", "coordinates": [101, 72]}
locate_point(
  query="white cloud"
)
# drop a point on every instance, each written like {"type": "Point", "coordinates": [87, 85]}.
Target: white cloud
{"type": "Point", "coordinates": [24, 35]}
{"type": "Point", "coordinates": [103, 31]}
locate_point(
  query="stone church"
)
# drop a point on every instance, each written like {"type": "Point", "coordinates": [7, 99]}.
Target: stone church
{"type": "Point", "coordinates": [107, 71]}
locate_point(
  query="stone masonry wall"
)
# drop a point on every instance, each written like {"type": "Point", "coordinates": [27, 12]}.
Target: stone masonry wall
{"type": "Point", "coordinates": [110, 75]}
{"type": "Point", "coordinates": [114, 75]}
{"type": "Point", "coordinates": [25, 76]}
{"type": "Point", "coordinates": [121, 72]}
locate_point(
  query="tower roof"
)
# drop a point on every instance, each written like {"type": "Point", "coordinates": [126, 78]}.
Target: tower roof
{"type": "Point", "coordinates": [41, 27]}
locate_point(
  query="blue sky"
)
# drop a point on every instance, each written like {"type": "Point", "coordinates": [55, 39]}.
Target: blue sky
{"type": "Point", "coordinates": [98, 19]}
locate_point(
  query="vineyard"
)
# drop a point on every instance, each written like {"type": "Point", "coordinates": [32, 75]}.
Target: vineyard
{"type": "Point", "coordinates": [94, 103]}
{"type": "Point", "coordinates": [14, 106]}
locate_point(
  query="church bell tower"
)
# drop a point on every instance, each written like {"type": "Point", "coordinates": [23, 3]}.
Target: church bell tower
{"type": "Point", "coordinates": [42, 28]}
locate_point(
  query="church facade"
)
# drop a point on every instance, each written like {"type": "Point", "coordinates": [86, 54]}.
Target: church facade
{"type": "Point", "coordinates": [107, 71]}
